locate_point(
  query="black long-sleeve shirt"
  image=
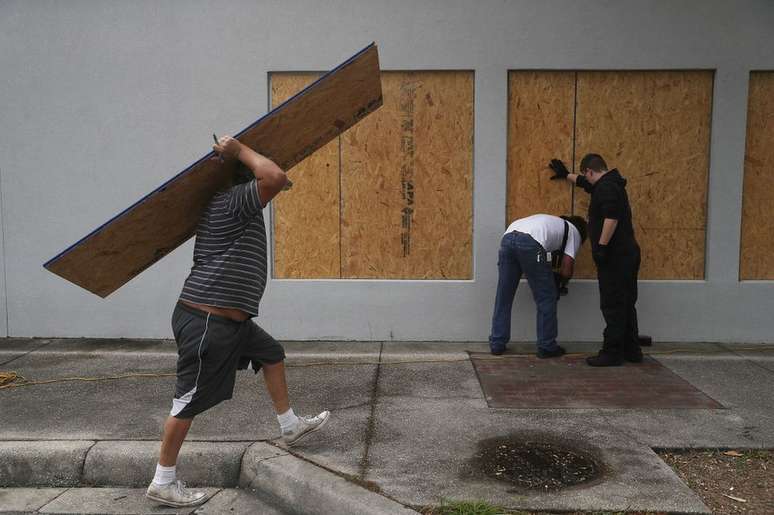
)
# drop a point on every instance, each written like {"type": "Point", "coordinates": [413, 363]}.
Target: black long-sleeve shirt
{"type": "Point", "coordinates": [609, 200]}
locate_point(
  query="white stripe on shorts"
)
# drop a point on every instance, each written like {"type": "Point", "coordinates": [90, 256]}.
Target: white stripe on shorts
{"type": "Point", "coordinates": [182, 402]}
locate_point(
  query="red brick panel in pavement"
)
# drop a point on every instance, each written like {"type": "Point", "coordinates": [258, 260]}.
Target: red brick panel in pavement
{"type": "Point", "coordinates": [567, 382]}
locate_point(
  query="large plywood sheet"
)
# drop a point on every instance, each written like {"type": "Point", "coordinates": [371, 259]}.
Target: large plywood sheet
{"type": "Point", "coordinates": [306, 217]}
{"type": "Point", "coordinates": [407, 181]}
{"type": "Point", "coordinates": [757, 248]}
{"type": "Point", "coordinates": [654, 126]}
{"type": "Point", "coordinates": [138, 237]}
{"type": "Point", "coordinates": [541, 106]}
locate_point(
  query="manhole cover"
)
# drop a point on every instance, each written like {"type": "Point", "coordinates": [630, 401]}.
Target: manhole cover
{"type": "Point", "coordinates": [535, 464]}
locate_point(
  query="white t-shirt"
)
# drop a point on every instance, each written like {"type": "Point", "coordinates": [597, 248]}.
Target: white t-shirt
{"type": "Point", "coordinates": [548, 230]}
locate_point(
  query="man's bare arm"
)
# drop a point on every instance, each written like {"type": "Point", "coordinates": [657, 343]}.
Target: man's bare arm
{"type": "Point", "coordinates": [567, 268]}
{"type": "Point", "coordinates": [270, 178]}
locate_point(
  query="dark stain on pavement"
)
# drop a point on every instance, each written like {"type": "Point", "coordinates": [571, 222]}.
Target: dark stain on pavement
{"type": "Point", "coordinates": [535, 462]}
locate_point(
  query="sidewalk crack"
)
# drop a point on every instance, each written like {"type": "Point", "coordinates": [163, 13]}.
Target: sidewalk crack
{"type": "Point", "coordinates": [752, 362]}
{"type": "Point", "coordinates": [273, 457]}
{"type": "Point", "coordinates": [48, 342]}
{"type": "Point", "coordinates": [364, 464]}
{"type": "Point", "coordinates": [60, 494]}
{"type": "Point", "coordinates": [83, 463]}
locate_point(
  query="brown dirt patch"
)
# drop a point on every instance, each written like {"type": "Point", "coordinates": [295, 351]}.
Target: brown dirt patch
{"type": "Point", "coordinates": [718, 475]}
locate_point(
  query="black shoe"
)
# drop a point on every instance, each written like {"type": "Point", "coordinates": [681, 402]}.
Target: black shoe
{"type": "Point", "coordinates": [558, 351]}
{"type": "Point", "coordinates": [604, 359]}
{"type": "Point", "coordinates": [633, 356]}
{"type": "Point", "coordinates": [497, 351]}
{"type": "Point", "coordinates": [644, 340]}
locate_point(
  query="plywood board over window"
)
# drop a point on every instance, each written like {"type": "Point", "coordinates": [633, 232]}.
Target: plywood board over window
{"type": "Point", "coordinates": [757, 248]}
{"type": "Point", "coordinates": [306, 217]}
{"type": "Point", "coordinates": [654, 126]}
{"type": "Point", "coordinates": [394, 198]}
{"type": "Point", "coordinates": [407, 181]}
{"type": "Point", "coordinates": [541, 106]}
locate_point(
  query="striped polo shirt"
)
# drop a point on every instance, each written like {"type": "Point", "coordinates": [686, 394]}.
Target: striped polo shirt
{"type": "Point", "coordinates": [229, 269]}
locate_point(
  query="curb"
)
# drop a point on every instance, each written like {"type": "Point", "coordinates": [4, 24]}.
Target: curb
{"type": "Point", "coordinates": [298, 486]}
{"type": "Point", "coordinates": [42, 463]}
{"type": "Point", "coordinates": [271, 473]}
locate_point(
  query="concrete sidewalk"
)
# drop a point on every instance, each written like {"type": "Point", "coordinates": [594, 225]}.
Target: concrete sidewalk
{"type": "Point", "coordinates": [408, 420]}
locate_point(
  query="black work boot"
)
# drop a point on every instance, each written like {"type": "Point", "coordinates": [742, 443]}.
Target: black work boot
{"type": "Point", "coordinates": [604, 359]}
{"type": "Point", "coordinates": [633, 355]}
{"type": "Point", "coordinates": [557, 352]}
{"type": "Point", "coordinates": [644, 340]}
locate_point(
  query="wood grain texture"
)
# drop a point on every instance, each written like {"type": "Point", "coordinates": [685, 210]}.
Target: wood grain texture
{"type": "Point", "coordinates": [654, 126]}
{"type": "Point", "coordinates": [757, 248]}
{"type": "Point", "coordinates": [407, 181]}
{"type": "Point", "coordinates": [128, 244]}
{"type": "Point", "coordinates": [307, 217]}
{"type": "Point", "coordinates": [541, 108]}
{"type": "Point", "coordinates": [145, 233]}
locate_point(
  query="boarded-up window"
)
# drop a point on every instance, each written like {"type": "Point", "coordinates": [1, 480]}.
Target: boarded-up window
{"type": "Point", "coordinates": [654, 126]}
{"type": "Point", "coordinates": [393, 197]}
{"type": "Point", "coordinates": [757, 249]}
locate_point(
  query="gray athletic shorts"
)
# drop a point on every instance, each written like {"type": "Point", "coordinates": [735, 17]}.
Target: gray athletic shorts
{"type": "Point", "coordinates": [210, 349]}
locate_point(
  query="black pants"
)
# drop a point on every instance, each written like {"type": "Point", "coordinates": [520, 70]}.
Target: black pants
{"type": "Point", "coordinates": [617, 299]}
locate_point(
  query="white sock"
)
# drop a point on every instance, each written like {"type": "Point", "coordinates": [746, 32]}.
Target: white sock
{"type": "Point", "coordinates": [287, 420]}
{"type": "Point", "coordinates": [164, 475]}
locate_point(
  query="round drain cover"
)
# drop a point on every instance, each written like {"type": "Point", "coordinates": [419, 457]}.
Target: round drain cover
{"type": "Point", "coordinates": [536, 465]}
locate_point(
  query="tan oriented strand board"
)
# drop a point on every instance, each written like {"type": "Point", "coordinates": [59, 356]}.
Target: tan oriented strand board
{"type": "Point", "coordinates": [654, 126]}
{"type": "Point", "coordinates": [119, 250]}
{"type": "Point", "coordinates": [757, 249]}
{"type": "Point", "coordinates": [407, 181]}
{"type": "Point", "coordinates": [306, 217]}
{"type": "Point", "coordinates": [541, 108]}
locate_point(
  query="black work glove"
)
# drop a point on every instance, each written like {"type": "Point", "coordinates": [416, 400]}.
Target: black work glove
{"type": "Point", "coordinates": [560, 171]}
{"type": "Point", "coordinates": [601, 254]}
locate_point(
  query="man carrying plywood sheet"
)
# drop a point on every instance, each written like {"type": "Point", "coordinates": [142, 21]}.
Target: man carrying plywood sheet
{"type": "Point", "coordinates": [212, 320]}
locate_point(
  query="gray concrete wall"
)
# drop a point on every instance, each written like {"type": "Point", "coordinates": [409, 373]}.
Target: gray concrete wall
{"type": "Point", "coordinates": [100, 102]}
{"type": "Point", "coordinates": [3, 310]}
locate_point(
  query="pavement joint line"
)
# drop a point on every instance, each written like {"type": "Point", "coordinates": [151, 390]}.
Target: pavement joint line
{"type": "Point", "coordinates": [431, 398]}
{"type": "Point", "coordinates": [287, 453]}
{"type": "Point", "coordinates": [363, 465]}
{"type": "Point", "coordinates": [756, 363]}
{"type": "Point", "coordinates": [48, 342]}
{"type": "Point", "coordinates": [351, 478]}
{"type": "Point", "coordinates": [241, 464]}
{"type": "Point", "coordinates": [82, 472]}
{"type": "Point", "coordinates": [60, 494]}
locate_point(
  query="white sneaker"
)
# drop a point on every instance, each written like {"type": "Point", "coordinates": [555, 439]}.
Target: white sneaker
{"type": "Point", "coordinates": [175, 495]}
{"type": "Point", "coordinates": [304, 426]}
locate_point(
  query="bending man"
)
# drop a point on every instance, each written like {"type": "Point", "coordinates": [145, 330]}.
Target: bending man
{"type": "Point", "coordinates": [526, 249]}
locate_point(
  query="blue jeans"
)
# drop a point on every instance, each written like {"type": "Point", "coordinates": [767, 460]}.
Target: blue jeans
{"type": "Point", "coordinates": [520, 254]}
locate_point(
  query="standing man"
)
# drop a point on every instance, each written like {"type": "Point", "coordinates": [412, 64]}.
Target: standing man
{"type": "Point", "coordinates": [526, 249]}
{"type": "Point", "coordinates": [212, 319]}
{"type": "Point", "coordinates": [616, 255]}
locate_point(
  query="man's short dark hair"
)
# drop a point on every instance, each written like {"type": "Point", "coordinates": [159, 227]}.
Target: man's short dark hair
{"type": "Point", "coordinates": [593, 161]}
{"type": "Point", "coordinates": [242, 174]}
{"type": "Point", "coordinates": [579, 224]}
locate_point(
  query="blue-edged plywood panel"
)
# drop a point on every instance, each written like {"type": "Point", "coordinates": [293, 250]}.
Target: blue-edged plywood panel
{"type": "Point", "coordinates": [120, 249]}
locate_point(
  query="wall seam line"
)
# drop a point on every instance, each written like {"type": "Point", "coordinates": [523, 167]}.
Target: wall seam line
{"type": "Point", "coordinates": [2, 250]}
